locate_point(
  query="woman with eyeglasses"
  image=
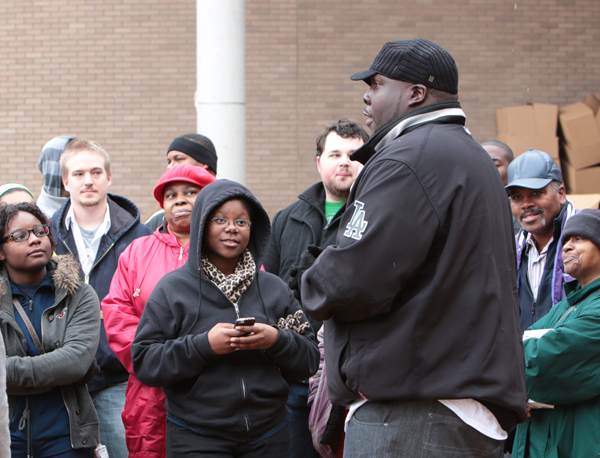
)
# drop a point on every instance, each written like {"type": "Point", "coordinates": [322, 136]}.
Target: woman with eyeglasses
{"type": "Point", "coordinates": [141, 266]}
{"type": "Point", "coordinates": [225, 382]}
{"type": "Point", "coordinates": [50, 323]}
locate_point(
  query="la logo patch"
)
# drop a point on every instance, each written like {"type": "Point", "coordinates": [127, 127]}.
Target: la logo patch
{"type": "Point", "coordinates": [357, 225]}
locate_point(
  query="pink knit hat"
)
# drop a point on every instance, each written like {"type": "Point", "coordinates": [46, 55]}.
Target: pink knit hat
{"type": "Point", "coordinates": [184, 172]}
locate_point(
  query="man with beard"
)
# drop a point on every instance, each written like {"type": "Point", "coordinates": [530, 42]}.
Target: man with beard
{"type": "Point", "coordinates": [421, 275]}
{"type": "Point", "coordinates": [96, 227]}
{"type": "Point", "coordinates": [313, 220]}
{"type": "Point", "coordinates": [539, 203]}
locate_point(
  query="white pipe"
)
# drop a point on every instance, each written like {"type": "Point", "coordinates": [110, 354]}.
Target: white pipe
{"type": "Point", "coordinates": [220, 97]}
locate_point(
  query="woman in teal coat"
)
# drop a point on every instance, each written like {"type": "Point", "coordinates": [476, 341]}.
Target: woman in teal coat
{"type": "Point", "coordinates": [562, 358]}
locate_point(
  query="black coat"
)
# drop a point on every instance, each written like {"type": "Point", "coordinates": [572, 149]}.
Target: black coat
{"type": "Point", "coordinates": [125, 227]}
{"type": "Point", "coordinates": [420, 289]}
{"type": "Point", "coordinates": [240, 395]}
{"type": "Point", "coordinates": [296, 227]}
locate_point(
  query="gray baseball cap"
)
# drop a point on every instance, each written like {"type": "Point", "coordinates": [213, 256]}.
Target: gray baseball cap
{"type": "Point", "coordinates": [533, 169]}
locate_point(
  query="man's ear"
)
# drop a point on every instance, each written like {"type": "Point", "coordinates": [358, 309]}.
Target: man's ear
{"type": "Point", "coordinates": [318, 159]}
{"type": "Point", "coordinates": [2, 255]}
{"type": "Point", "coordinates": [418, 94]}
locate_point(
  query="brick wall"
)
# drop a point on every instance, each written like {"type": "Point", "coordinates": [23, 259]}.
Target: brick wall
{"type": "Point", "coordinates": [123, 73]}
{"type": "Point", "coordinates": [120, 72]}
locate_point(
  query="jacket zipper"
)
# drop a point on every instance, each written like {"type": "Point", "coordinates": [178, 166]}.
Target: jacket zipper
{"type": "Point", "coordinates": [246, 420]}
{"type": "Point", "coordinates": [180, 253]}
{"type": "Point", "coordinates": [87, 277]}
{"type": "Point", "coordinates": [235, 306]}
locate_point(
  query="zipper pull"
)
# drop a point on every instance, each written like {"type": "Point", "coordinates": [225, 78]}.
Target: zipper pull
{"type": "Point", "coordinates": [31, 305]}
{"type": "Point", "coordinates": [180, 253]}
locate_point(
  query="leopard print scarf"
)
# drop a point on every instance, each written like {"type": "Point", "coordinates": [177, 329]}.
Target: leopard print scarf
{"type": "Point", "coordinates": [237, 283]}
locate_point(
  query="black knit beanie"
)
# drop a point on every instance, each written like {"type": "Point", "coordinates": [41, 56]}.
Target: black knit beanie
{"type": "Point", "coordinates": [416, 61]}
{"type": "Point", "coordinates": [195, 150]}
{"type": "Point", "coordinates": [585, 224]}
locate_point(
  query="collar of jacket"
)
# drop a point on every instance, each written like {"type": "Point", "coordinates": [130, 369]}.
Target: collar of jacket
{"type": "Point", "coordinates": [439, 113]}
{"type": "Point", "coordinates": [64, 270]}
{"type": "Point", "coordinates": [576, 294]}
{"type": "Point", "coordinates": [315, 196]}
{"type": "Point", "coordinates": [123, 215]}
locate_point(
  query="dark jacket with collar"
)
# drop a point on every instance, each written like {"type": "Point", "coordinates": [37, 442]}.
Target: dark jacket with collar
{"type": "Point", "coordinates": [70, 329]}
{"type": "Point", "coordinates": [420, 289]}
{"type": "Point", "coordinates": [241, 395]}
{"type": "Point", "coordinates": [125, 227]}
{"type": "Point", "coordinates": [296, 227]}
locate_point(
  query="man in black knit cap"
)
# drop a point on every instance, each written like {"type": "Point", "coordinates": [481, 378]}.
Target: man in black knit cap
{"type": "Point", "coordinates": [422, 338]}
{"type": "Point", "coordinates": [194, 149]}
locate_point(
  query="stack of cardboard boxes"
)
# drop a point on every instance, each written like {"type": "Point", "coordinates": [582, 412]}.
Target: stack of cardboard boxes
{"type": "Point", "coordinates": [580, 138]}
{"type": "Point", "coordinates": [529, 127]}
{"type": "Point", "coordinates": [534, 126]}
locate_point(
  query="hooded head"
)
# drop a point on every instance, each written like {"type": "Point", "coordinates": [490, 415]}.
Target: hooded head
{"type": "Point", "coordinates": [49, 164]}
{"type": "Point", "coordinates": [213, 196]}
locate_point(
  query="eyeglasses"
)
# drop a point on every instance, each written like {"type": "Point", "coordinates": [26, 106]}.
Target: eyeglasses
{"type": "Point", "coordinates": [22, 235]}
{"type": "Point", "coordinates": [239, 223]}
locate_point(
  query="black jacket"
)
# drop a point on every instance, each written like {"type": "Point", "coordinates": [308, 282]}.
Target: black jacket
{"type": "Point", "coordinates": [125, 227]}
{"type": "Point", "coordinates": [296, 227]}
{"type": "Point", "coordinates": [420, 291]}
{"type": "Point", "coordinates": [241, 395]}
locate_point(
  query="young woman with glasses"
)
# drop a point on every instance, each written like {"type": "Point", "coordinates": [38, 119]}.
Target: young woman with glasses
{"type": "Point", "coordinates": [50, 323]}
{"type": "Point", "coordinates": [225, 383]}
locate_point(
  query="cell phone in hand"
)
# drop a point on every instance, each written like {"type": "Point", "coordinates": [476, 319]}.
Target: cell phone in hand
{"type": "Point", "coordinates": [249, 321]}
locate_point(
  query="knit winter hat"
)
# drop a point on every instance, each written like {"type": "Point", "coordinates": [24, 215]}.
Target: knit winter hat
{"type": "Point", "coordinates": [5, 188]}
{"type": "Point", "coordinates": [183, 172]}
{"type": "Point", "coordinates": [585, 224]}
{"type": "Point", "coordinates": [416, 61]}
{"type": "Point", "coordinates": [195, 150]}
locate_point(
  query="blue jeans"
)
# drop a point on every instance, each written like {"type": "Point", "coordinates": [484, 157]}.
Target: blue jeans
{"type": "Point", "coordinates": [109, 403]}
{"type": "Point", "coordinates": [416, 429]}
{"type": "Point", "coordinates": [300, 438]}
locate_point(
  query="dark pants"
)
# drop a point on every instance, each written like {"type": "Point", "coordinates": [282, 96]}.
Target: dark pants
{"type": "Point", "coordinates": [416, 429]}
{"type": "Point", "coordinates": [300, 438]}
{"type": "Point", "coordinates": [182, 442]}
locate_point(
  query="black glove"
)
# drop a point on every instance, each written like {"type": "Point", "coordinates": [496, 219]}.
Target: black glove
{"type": "Point", "coordinates": [306, 261]}
{"type": "Point", "coordinates": [90, 374]}
{"type": "Point", "coordinates": [334, 428]}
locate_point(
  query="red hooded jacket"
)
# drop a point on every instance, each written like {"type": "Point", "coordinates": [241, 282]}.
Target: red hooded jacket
{"type": "Point", "coordinates": [140, 268]}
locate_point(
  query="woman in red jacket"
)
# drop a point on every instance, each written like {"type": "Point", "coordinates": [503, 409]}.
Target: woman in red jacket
{"type": "Point", "coordinates": [140, 268]}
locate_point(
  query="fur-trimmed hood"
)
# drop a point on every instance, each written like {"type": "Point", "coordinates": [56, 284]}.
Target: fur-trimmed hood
{"type": "Point", "coordinates": [65, 270]}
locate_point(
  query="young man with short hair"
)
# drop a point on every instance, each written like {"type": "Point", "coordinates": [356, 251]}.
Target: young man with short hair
{"type": "Point", "coordinates": [96, 227]}
{"type": "Point", "coordinates": [314, 220]}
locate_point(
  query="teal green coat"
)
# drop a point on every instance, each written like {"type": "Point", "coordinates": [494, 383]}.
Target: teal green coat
{"type": "Point", "coordinates": [562, 368]}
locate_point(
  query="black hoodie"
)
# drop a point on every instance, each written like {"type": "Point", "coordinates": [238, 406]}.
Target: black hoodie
{"type": "Point", "coordinates": [241, 395]}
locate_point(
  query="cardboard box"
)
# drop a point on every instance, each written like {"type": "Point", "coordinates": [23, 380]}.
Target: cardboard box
{"type": "Point", "coordinates": [536, 118]}
{"type": "Point", "coordinates": [581, 181]}
{"type": "Point", "coordinates": [584, 200]}
{"type": "Point", "coordinates": [593, 101]}
{"type": "Point", "coordinates": [530, 126]}
{"type": "Point", "coordinates": [521, 143]}
{"type": "Point", "coordinates": [516, 120]}
{"type": "Point", "coordinates": [580, 133]}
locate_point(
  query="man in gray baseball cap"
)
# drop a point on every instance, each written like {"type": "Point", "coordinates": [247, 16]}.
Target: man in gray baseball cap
{"type": "Point", "coordinates": [539, 203]}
